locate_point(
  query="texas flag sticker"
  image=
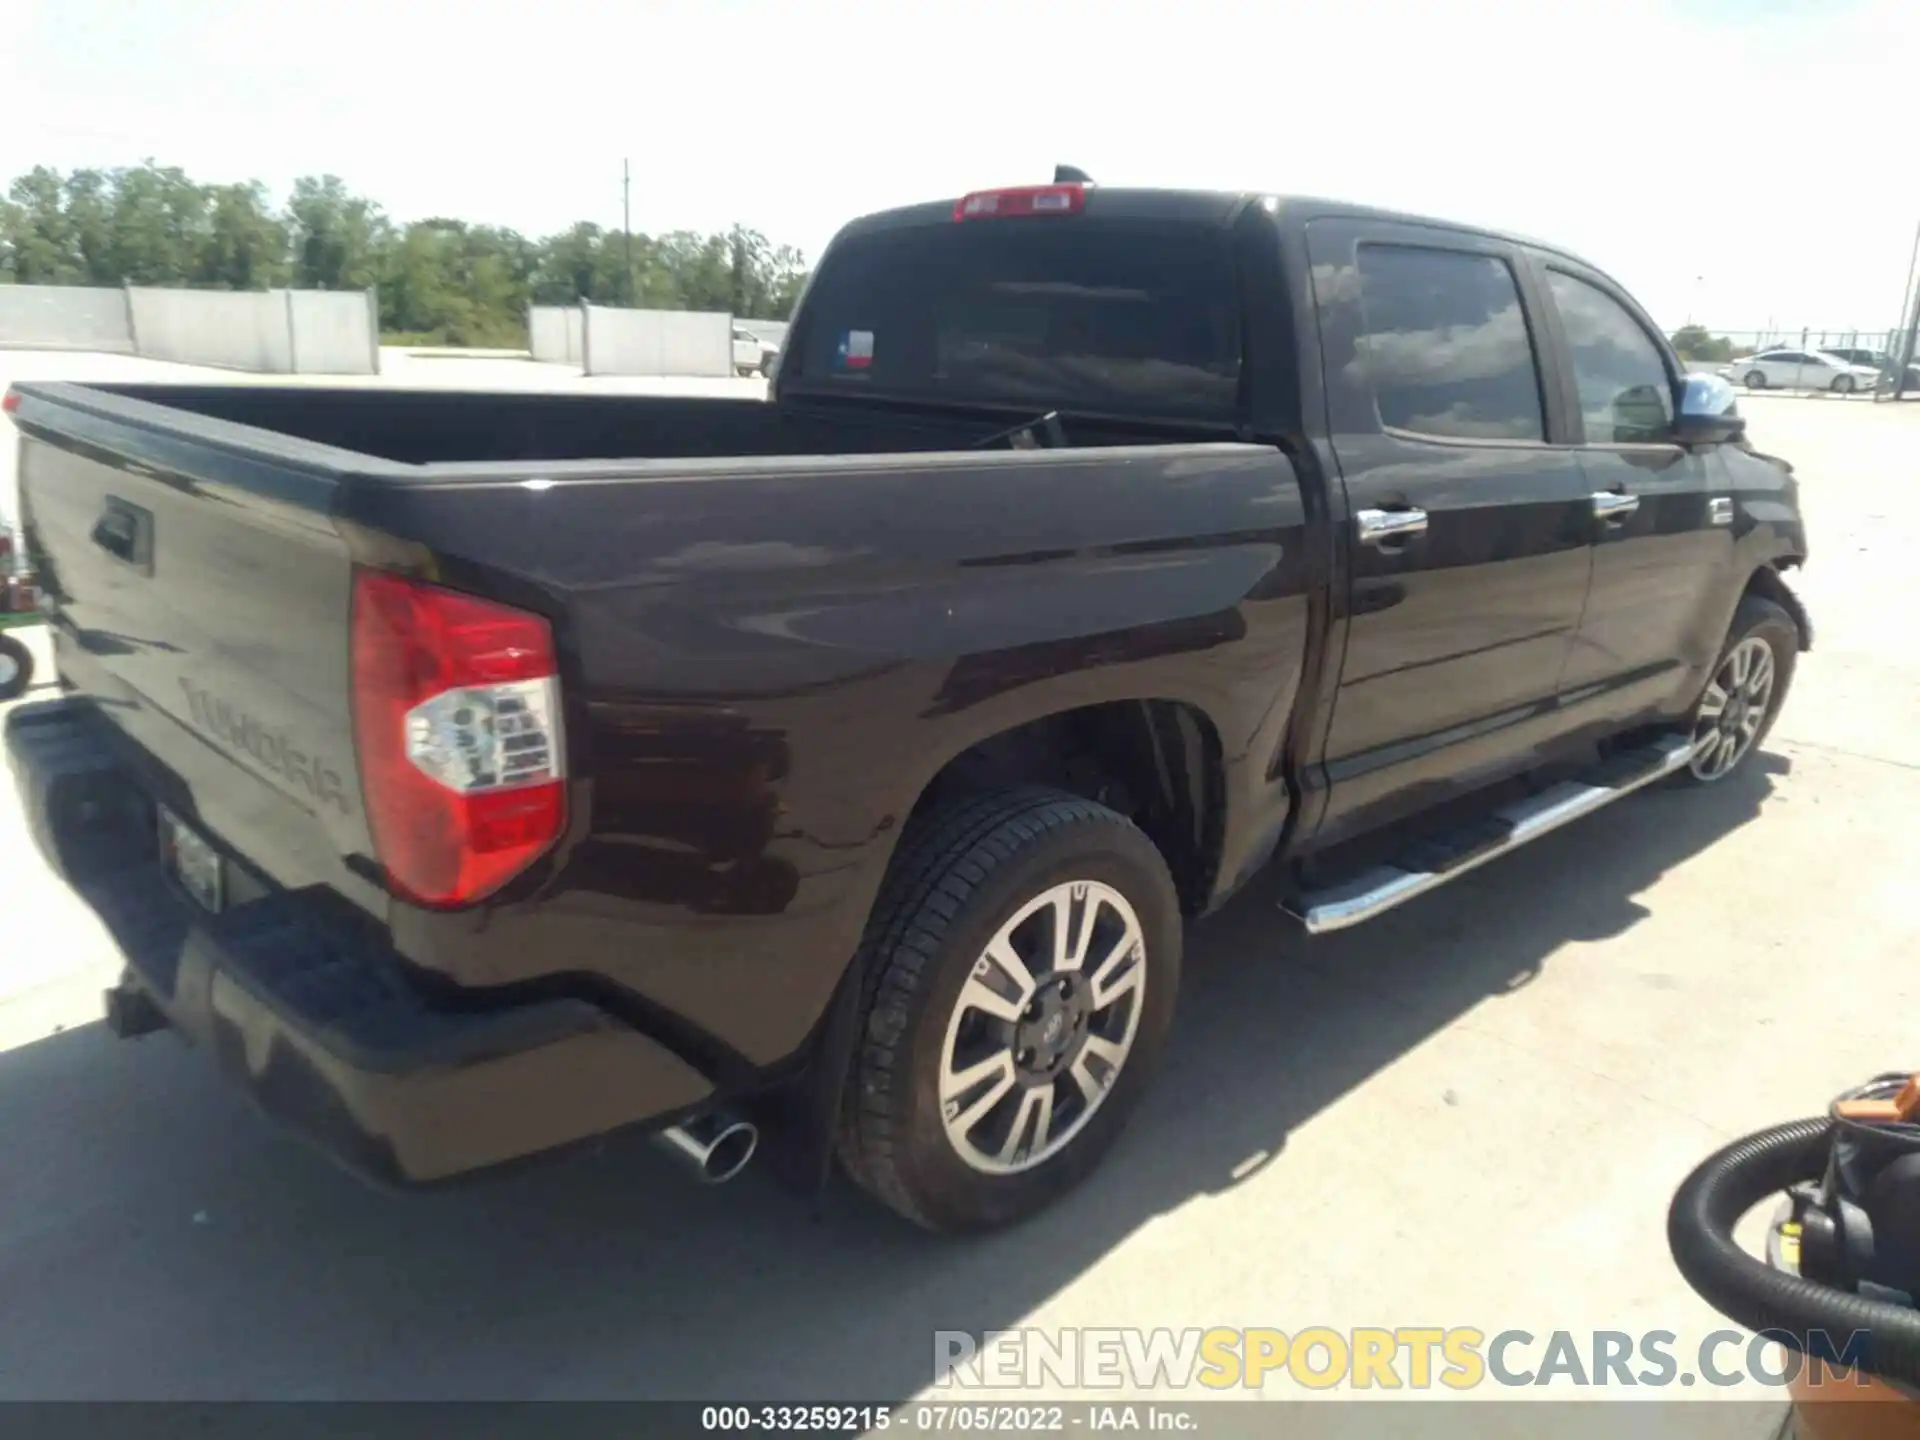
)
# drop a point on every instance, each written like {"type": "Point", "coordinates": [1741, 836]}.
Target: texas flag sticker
{"type": "Point", "coordinates": [856, 350]}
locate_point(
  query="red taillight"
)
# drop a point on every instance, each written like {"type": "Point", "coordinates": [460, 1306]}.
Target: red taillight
{"type": "Point", "coordinates": [456, 711]}
{"type": "Point", "coordinates": [1022, 200]}
{"type": "Point", "coordinates": [10, 401]}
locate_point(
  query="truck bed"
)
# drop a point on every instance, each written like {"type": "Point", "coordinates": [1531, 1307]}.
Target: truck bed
{"type": "Point", "coordinates": [433, 427]}
{"type": "Point", "coordinates": [774, 625]}
{"type": "Point", "coordinates": [200, 543]}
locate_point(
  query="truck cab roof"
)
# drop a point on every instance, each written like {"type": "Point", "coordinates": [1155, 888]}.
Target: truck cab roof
{"type": "Point", "coordinates": [1203, 207]}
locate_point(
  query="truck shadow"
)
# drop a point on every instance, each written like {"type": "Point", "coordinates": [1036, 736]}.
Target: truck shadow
{"type": "Point", "coordinates": [159, 1240]}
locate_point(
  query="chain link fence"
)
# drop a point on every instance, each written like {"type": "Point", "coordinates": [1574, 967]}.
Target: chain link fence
{"type": "Point", "coordinates": [1845, 363]}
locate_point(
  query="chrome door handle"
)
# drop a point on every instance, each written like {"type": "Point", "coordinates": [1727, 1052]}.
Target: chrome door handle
{"type": "Point", "coordinates": [1720, 510]}
{"type": "Point", "coordinates": [1613, 507]}
{"type": "Point", "coordinates": [1379, 527]}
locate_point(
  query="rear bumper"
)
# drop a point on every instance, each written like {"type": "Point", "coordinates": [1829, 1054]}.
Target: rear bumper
{"type": "Point", "coordinates": [306, 1007]}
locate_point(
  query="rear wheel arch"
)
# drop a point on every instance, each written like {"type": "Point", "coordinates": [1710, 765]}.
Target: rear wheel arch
{"type": "Point", "coordinates": [1160, 759]}
{"type": "Point", "coordinates": [1158, 762]}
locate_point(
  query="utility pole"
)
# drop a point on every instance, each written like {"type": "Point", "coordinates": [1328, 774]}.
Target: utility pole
{"type": "Point", "coordinates": [626, 222]}
{"type": "Point", "coordinates": [1904, 345]}
{"type": "Point", "coordinates": [1913, 268]}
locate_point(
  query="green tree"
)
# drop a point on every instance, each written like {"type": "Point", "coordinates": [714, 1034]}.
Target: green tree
{"type": "Point", "coordinates": [89, 199]}
{"type": "Point", "coordinates": [41, 247]}
{"type": "Point", "coordinates": [416, 293]}
{"type": "Point", "coordinates": [245, 245]}
{"type": "Point", "coordinates": [440, 279]}
{"type": "Point", "coordinates": [571, 267]}
{"type": "Point", "coordinates": [699, 269]}
{"type": "Point", "coordinates": [494, 268]}
{"type": "Point", "coordinates": [160, 222]}
{"type": "Point", "coordinates": [586, 262]}
{"type": "Point", "coordinates": [1694, 343]}
{"type": "Point", "coordinates": [455, 284]}
{"type": "Point", "coordinates": [765, 278]}
{"type": "Point", "coordinates": [567, 264]}
{"type": "Point", "coordinates": [788, 280]}
{"type": "Point", "coordinates": [338, 238]}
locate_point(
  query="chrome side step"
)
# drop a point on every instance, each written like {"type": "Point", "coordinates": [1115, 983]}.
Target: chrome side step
{"type": "Point", "coordinates": [1448, 857]}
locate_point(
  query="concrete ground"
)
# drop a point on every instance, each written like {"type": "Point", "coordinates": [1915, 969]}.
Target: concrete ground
{"type": "Point", "coordinates": [1472, 1112]}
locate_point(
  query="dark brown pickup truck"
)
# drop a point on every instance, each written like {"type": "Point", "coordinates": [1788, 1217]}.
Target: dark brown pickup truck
{"type": "Point", "coordinates": [476, 774]}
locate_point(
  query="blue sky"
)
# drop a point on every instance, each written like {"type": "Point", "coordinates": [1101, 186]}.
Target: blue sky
{"type": "Point", "coordinates": [1716, 155]}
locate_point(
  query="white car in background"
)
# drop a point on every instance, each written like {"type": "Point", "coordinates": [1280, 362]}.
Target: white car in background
{"type": "Point", "coordinates": [1801, 370]}
{"type": "Point", "coordinates": [751, 354]}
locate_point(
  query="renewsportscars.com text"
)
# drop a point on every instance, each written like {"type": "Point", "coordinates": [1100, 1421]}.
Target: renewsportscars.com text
{"type": "Point", "coordinates": [1370, 1358]}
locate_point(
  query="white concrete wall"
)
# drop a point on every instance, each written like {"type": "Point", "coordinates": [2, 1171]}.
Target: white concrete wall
{"type": "Point", "coordinates": [657, 342]}
{"type": "Point", "coordinates": [273, 332]}
{"type": "Point", "coordinates": [335, 332]}
{"type": "Point", "coordinates": [65, 317]}
{"type": "Point", "coordinates": [240, 330]}
{"type": "Point", "coordinates": [554, 333]}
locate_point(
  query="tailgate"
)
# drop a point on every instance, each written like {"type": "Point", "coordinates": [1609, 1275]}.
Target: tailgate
{"type": "Point", "coordinates": [201, 596]}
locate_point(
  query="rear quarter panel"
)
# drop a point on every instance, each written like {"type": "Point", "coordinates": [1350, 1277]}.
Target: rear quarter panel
{"type": "Point", "coordinates": [768, 661]}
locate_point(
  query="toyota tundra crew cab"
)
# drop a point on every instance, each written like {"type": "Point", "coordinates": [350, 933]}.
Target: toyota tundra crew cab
{"type": "Point", "coordinates": [476, 774]}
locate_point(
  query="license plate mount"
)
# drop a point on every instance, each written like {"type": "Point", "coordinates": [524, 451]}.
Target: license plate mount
{"type": "Point", "coordinates": [192, 862]}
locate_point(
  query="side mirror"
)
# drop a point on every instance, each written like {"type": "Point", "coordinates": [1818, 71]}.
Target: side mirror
{"type": "Point", "coordinates": [1709, 412]}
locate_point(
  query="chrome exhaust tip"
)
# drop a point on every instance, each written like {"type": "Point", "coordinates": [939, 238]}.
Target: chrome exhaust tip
{"type": "Point", "coordinates": [715, 1147]}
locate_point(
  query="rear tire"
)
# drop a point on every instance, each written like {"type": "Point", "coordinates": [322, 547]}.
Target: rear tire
{"type": "Point", "coordinates": [16, 667]}
{"type": "Point", "coordinates": [1744, 695]}
{"type": "Point", "coordinates": [953, 1153]}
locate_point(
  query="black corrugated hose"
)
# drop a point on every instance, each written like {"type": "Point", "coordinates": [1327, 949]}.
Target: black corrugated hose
{"type": "Point", "coordinates": [1781, 1306]}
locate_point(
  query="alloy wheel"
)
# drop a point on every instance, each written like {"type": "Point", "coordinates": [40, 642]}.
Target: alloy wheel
{"type": "Point", "coordinates": [1733, 709]}
{"type": "Point", "coordinates": [1042, 1027]}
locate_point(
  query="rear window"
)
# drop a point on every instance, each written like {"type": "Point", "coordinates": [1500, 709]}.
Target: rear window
{"type": "Point", "coordinates": [1084, 312]}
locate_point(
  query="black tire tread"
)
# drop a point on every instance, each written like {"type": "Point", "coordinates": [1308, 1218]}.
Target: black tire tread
{"type": "Point", "coordinates": [23, 661]}
{"type": "Point", "coordinates": [941, 864]}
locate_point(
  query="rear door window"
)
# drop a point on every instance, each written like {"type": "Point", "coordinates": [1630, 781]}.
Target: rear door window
{"type": "Point", "coordinates": [1446, 344]}
{"type": "Point", "coordinates": [1118, 315]}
